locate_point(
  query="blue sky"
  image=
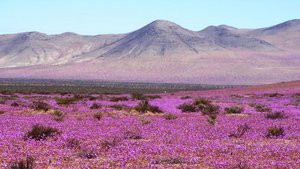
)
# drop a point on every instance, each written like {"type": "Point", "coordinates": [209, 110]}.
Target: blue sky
{"type": "Point", "coordinates": [119, 16]}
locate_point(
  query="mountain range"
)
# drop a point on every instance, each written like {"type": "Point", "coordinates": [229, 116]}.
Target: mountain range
{"type": "Point", "coordinates": [161, 51]}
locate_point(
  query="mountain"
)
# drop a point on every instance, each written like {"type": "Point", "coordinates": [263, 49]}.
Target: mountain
{"type": "Point", "coordinates": [161, 51]}
{"type": "Point", "coordinates": [159, 38]}
{"type": "Point", "coordinates": [166, 39]}
{"type": "Point", "coordinates": [226, 37]}
{"type": "Point", "coordinates": [292, 25]}
{"type": "Point", "coordinates": [33, 48]}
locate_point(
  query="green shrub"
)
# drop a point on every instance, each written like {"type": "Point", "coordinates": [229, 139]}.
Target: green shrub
{"type": "Point", "coordinates": [109, 143]}
{"type": "Point", "coordinates": [58, 115]}
{"type": "Point", "coordinates": [119, 106]}
{"type": "Point", "coordinates": [73, 143]}
{"type": "Point", "coordinates": [275, 132]}
{"type": "Point", "coordinates": [186, 107]}
{"type": "Point", "coordinates": [262, 108]}
{"type": "Point", "coordinates": [201, 104]}
{"type": "Point", "coordinates": [138, 96]}
{"type": "Point", "coordinates": [211, 119]}
{"type": "Point", "coordinates": [185, 97]}
{"type": "Point", "coordinates": [241, 130]}
{"type": "Point", "coordinates": [98, 115]}
{"type": "Point", "coordinates": [88, 154]}
{"type": "Point", "coordinates": [144, 120]}
{"type": "Point", "coordinates": [95, 106]}
{"type": "Point", "coordinates": [28, 163]}
{"type": "Point", "coordinates": [169, 160]}
{"type": "Point", "coordinates": [117, 99]}
{"type": "Point", "coordinates": [65, 101]}
{"type": "Point", "coordinates": [39, 132]}
{"type": "Point", "coordinates": [205, 106]}
{"type": "Point", "coordinates": [275, 115]}
{"type": "Point", "coordinates": [144, 106]}
{"type": "Point", "coordinates": [170, 116]}
{"type": "Point", "coordinates": [234, 110]}
{"type": "Point", "coordinates": [241, 165]}
{"type": "Point", "coordinates": [135, 135]}
{"type": "Point", "coordinates": [202, 101]}
{"type": "Point", "coordinates": [209, 109]}
{"type": "Point", "coordinates": [68, 100]}
{"type": "Point", "coordinates": [40, 106]}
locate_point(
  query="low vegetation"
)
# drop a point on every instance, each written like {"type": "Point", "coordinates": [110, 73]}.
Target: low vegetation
{"type": "Point", "coordinates": [169, 160]}
{"type": "Point", "coordinates": [274, 132]}
{"type": "Point", "coordinates": [205, 106]}
{"type": "Point", "coordinates": [95, 106]}
{"type": "Point", "coordinates": [58, 115]}
{"type": "Point", "coordinates": [15, 104]}
{"type": "Point", "coordinates": [241, 130]}
{"type": "Point", "coordinates": [40, 106]}
{"type": "Point", "coordinates": [274, 95]}
{"type": "Point", "coordinates": [144, 107]}
{"type": "Point", "coordinates": [72, 143]}
{"type": "Point", "coordinates": [153, 96]}
{"type": "Point", "coordinates": [98, 115]}
{"type": "Point", "coordinates": [296, 95]}
{"type": "Point", "coordinates": [109, 143]}
{"type": "Point", "coordinates": [95, 133]}
{"type": "Point", "coordinates": [135, 135]}
{"type": "Point", "coordinates": [275, 115]}
{"type": "Point", "coordinates": [138, 96]}
{"type": "Point", "coordinates": [234, 110]}
{"type": "Point", "coordinates": [212, 119]}
{"type": "Point", "coordinates": [241, 165]}
{"type": "Point", "coordinates": [68, 100]}
{"type": "Point", "coordinates": [144, 120]}
{"type": "Point", "coordinates": [261, 107]}
{"type": "Point", "coordinates": [87, 154]}
{"type": "Point", "coordinates": [201, 104]}
{"type": "Point", "coordinates": [118, 99]}
{"type": "Point", "coordinates": [187, 107]}
{"type": "Point", "coordinates": [119, 106]}
{"type": "Point", "coordinates": [28, 163]}
{"type": "Point", "coordinates": [40, 132]}
{"type": "Point", "coordinates": [170, 116]}
{"type": "Point", "coordinates": [185, 97]}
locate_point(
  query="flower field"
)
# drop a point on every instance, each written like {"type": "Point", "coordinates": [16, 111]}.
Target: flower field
{"type": "Point", "coordinates": [243, 128]}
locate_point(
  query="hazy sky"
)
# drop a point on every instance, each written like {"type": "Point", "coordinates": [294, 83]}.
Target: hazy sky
{"type": "Point", "coordinates": [120, 16]}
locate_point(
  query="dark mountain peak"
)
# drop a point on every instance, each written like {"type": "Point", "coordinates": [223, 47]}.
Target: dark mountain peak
{"type": "Point", "coordinates": [215, 30]}
{"type": "Point", "coordinates": [292, 24]}
{"type": "Point", "coordinates": [227, 27]}
{"type": "Point", "coordinates": [226, 37]}
{"type": "Point", "coordinates": [162, 26]}
{"type": "Point", "coordinates": [33, 36]}
{"type": "Point", "coordinates": [33, 33]}
{"type": "Point", "coordinates": [68, 34]}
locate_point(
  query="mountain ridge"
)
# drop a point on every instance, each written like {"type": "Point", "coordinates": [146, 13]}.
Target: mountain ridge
{"type": "Point", "coordinates": [159, 51]}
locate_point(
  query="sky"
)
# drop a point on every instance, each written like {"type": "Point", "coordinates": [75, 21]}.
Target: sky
{"type": "Point", "coordinates": [91, 17]}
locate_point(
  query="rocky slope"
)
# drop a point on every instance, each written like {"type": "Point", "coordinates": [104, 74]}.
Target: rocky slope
{"type": "Point", "coordinates": [161, 51]}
